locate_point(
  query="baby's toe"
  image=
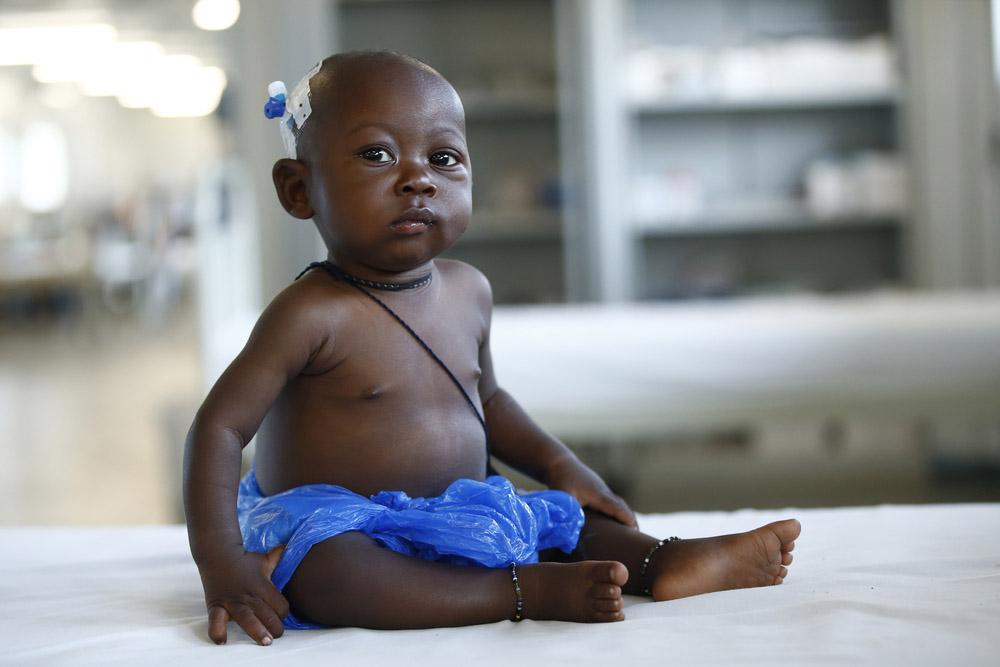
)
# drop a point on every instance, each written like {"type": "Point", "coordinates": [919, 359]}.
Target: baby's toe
{"type": "Point", "coordinates": [786, 558]}
{"type": "Point", "coordinates": [605, 591]}
{"type": "Point", "coordinates": [787, 530]}
{"type": "Point", "coordinates": [614, 573]}
{"type": "Point", "coordinates": [612, 606]}
{"type": "Point", "coordinates": [773, 571]}
{"type": "Point", "coordinates": [609, 616]}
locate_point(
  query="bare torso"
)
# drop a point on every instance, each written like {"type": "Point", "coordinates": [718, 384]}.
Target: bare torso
{"type": "Point", "coordinates": [373, 411]}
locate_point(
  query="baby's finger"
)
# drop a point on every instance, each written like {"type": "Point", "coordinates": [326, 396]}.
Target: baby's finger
{"type": "Point", "coordinates": [217, 619]}
{"type": "Point", "coordinates": [628, 516]}
{"type": "Point", "coordinates": [278, 602]}
{"type": "Point", "coordinates": [267, 616]}
{"type": "Point", "coordinates": [617, 509]}
{"type": "Point", "coordinates": [244, 615]}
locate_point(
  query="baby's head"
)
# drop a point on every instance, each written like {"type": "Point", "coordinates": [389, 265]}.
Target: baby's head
{"type": "Point", "coordinates": [380, 162]}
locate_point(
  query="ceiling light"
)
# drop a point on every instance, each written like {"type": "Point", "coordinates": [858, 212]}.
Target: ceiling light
{"type": "Point", "coordinates": [43, 167]}
{"type": "Point", "coordinates": [215, 14]}
{"type": "Point", "coordinates": [197, 95]}
{"type": "Point", "coordinates": [37, 44]}
{"type": "Point", "coordinates": [178, 86]}
{"type": "Point", "coordinates": [119, 66]}
{"type": "Point", "coordinates": [7, 169]}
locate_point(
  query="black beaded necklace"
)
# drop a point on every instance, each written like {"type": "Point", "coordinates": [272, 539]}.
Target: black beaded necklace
{"type": "Point", "coordinates": [371, 284]}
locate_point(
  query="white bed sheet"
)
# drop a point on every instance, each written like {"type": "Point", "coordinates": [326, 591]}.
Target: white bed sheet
{"type": "Point", "coordinates": [879, 585]}
{"type": "Point", "coordinates": [648, 368]}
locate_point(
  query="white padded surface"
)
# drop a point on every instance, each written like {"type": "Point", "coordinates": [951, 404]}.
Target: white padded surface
{"type": "Point", "coordinates": [607, 370]}
{"type": "Point", "coordinates": [879, 585]}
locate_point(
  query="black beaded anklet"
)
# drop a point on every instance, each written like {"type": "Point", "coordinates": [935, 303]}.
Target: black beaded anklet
{"type": "Point", "coordinates": [519, 604]}
{"type": "Point", "coordinates": [649, 557]}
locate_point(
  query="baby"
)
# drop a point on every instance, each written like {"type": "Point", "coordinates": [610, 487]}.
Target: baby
{"type": "Point", "coordinates": [371, 502]}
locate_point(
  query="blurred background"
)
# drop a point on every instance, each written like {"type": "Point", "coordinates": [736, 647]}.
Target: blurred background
{"type": "Point", "coordinates": [755, 244]}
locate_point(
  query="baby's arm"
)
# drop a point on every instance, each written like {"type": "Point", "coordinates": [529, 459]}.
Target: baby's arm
{"type": "Point", "coordinates": [518, 441]}
{"type": "Point", "coordinates": [287, 339]}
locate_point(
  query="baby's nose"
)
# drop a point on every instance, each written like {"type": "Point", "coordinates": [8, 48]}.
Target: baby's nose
{"type": "Point", "coordinates": [416, 181]}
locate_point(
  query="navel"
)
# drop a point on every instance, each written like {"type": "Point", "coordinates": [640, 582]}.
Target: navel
{"type": "Point", "coordinates": [373, 392]}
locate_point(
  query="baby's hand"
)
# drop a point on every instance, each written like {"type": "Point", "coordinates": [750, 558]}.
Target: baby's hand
{"type": "Point", "coordinates": [572, 476]}
{"type": "Point", "coordinates": [239, 588]}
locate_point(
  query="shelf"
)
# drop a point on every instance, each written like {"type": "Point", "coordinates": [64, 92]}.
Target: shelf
{"type": "Point", "coordinates": [491, 225]}
{"type": "Point", "coordinates": [791, 218]}
{"type": "Point", "coordinates": [495, 107]}
{"type": "Point", "coordinates": [764, 104]}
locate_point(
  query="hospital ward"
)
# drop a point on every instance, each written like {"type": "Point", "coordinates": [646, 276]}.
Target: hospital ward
{"type": "Point", "coordinates": [500, 332]}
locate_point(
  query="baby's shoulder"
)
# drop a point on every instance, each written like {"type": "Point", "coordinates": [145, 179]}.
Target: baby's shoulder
{"type": "Point", "coordinates": [311, 296]}
{"type": "Point", "coordinates": [307, 309]}
{"type": "Point", "coordinates": [465, 279]}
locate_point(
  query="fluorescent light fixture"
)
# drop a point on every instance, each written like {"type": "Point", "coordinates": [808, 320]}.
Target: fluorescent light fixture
{"type": "Point", "coordinates": [44, 168]}
{"type": "Point", "coordinates": [36, 44]}
{"type": "Point", "coordinates": [103, 71]}
{"type": "Point", "coordinates": [197, 95]}
{"type": "Point", "coordinates": [8, 151]}
{"type": "Point", "coordinates": [178, 86]}
{"type": "Point", "coordinates": [139, 74]}
{"type": "Point", "coordinates": [119, 66]}
{"type": "Point", "coordinates": [167, 76]}
{"type": "Point", "coordinates": [215, 14]}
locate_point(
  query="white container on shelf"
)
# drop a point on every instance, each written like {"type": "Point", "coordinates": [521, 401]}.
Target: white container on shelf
{"type": "Point", "coordinates": [882, 183]}
{"type": "Point", "coordinates": [831, 189]}
{"type": "Point", "coordinates": [871, 184]}
{"type": "Point", "coordinates": [792, 70]}
{"type": "Point", "coordinates": [672, 197]}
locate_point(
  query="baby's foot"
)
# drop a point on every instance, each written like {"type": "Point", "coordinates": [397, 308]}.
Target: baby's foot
{"type": "Point", "coordinates": [586, 592]}
{"type": "Point", "coordinates": [691, 567]}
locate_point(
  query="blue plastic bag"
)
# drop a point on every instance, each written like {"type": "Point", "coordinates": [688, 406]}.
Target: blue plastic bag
{"type": "Point", "coordinates": [487, 523]}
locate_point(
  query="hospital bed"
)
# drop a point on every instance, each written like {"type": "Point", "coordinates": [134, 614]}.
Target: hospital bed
{"type": "Point", "coordinates": [608, 372]}
{"type": "Point", "coordinates": [891, 585]}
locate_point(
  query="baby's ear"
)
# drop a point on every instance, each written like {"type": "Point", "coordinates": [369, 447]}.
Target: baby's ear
{"type": "Point", "coordinates": [291, 181]}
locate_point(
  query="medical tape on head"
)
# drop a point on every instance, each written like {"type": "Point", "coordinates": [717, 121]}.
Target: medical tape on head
{"type": "Point", "coordinates": [297, 111]}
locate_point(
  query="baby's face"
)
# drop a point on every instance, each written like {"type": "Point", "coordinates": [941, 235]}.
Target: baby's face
{"type": "Point", "coordinates": [390, 177]}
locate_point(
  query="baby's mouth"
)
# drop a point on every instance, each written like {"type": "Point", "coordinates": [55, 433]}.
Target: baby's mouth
{"type": "Point", "coordinates": [413, 221]}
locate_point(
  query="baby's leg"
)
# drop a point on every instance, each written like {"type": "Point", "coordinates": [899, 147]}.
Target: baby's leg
{"type": "Point", "coordinates": [692, 566]}
{"type": "Point", "coordinates": [350, 580]}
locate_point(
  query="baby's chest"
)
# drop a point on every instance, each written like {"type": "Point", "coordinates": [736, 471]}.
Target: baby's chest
{"type": "Point", "coordinates": [386, 364]}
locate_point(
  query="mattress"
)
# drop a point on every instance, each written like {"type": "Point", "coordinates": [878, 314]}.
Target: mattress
{"type": "Point", "coordinates": [619, 370]}
{"type": "Point", "coordinates": [877, 585]}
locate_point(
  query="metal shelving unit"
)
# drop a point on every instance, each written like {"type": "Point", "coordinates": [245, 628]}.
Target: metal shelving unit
{"type": "Point", "coordinates": [734, 151]}
{"type": "Point", "coordinates": [710, 166]}
{"type": "Point", "coordinates": [763, 104]}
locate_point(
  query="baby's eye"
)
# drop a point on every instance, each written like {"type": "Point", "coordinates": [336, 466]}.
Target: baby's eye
{"type": "Point", "coordinates": [379, 155]}
{"type": "Point", "coordinates": [444, 159]}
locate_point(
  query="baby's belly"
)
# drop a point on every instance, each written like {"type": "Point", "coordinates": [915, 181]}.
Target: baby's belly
{"type": "Point", "coordinates": [416, 449]}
